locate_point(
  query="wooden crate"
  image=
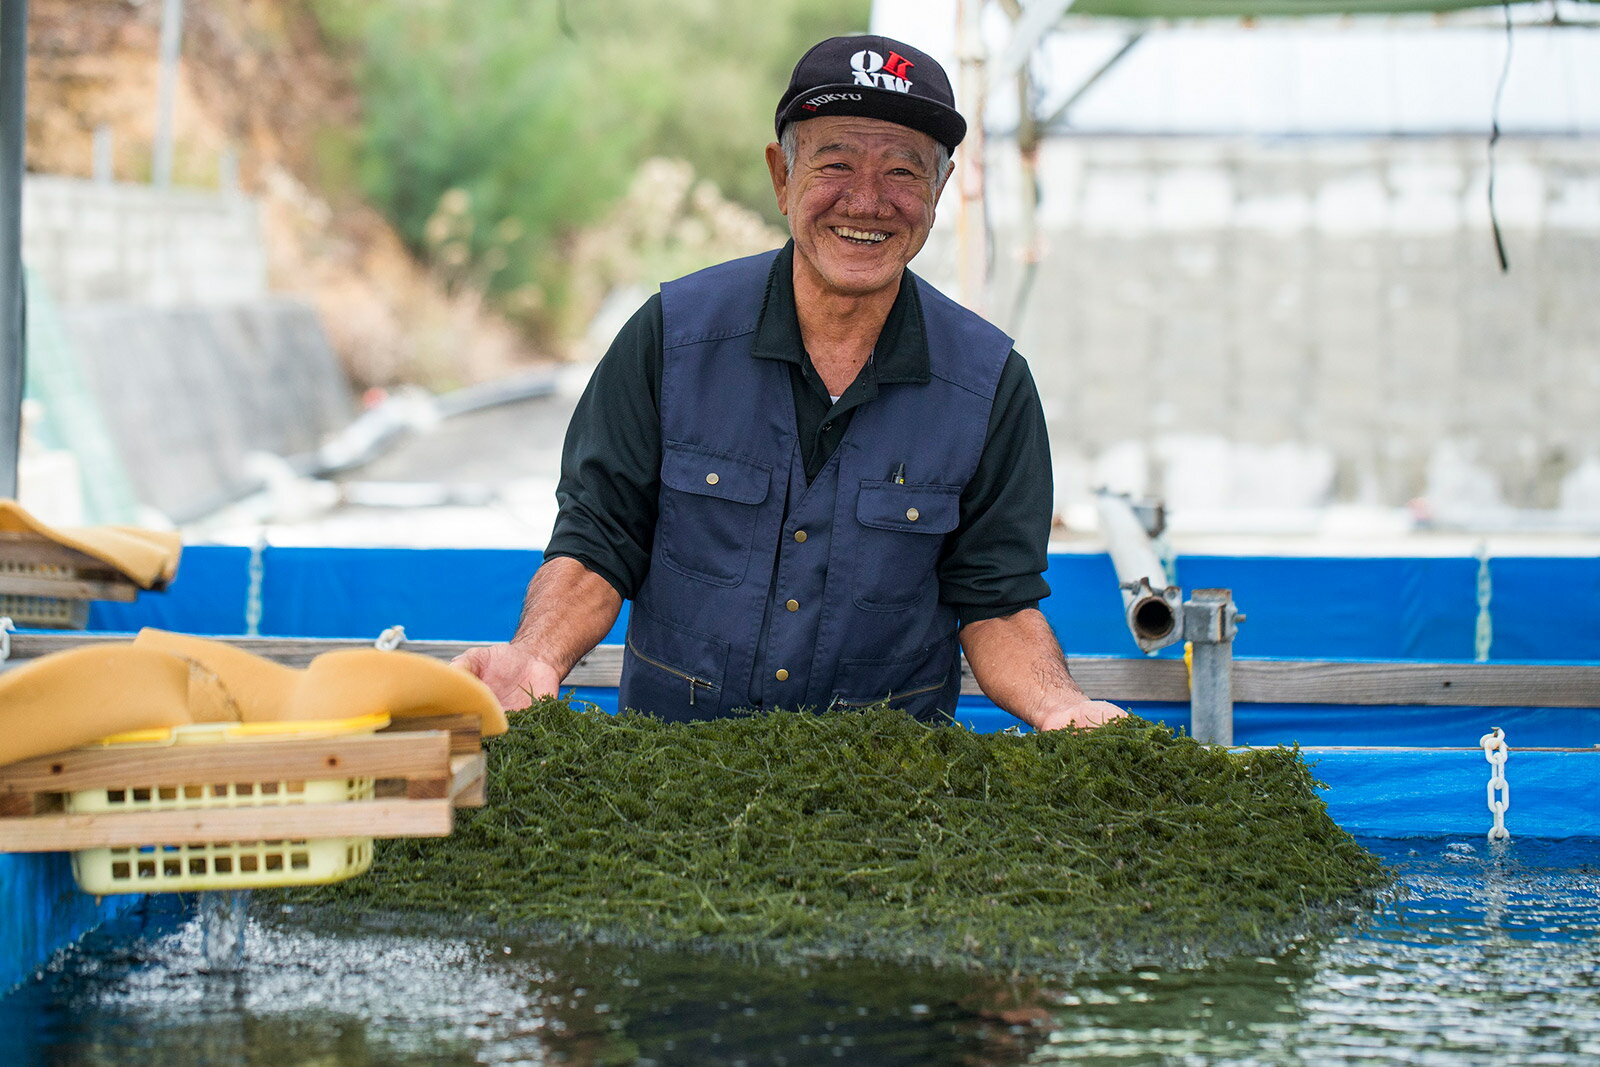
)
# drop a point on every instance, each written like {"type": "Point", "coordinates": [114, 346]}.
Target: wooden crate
{"type": "Point", "coordinates": [423, 771]}
{"type": "Point", "coordinates": [46, 585]}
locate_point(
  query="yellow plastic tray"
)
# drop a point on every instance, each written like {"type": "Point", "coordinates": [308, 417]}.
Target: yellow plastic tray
{"type": "Point", "coordinates": [165, 868]}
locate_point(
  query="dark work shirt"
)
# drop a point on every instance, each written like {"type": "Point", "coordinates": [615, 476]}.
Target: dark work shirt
{"type": "Point", "coordinates": [993, 561]}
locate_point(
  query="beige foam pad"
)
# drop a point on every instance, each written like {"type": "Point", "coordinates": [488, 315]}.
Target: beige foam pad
{"type": "Point", "coordinates": [71, 698]}
{"type": "Point", "coordinates": [337, 685]}
{"type": "Point", "coordinates": [228, 683]}
{"type": "Point", "coordinates": [356, 681]}
{"type": "Point", "coordinates": [147, 557]}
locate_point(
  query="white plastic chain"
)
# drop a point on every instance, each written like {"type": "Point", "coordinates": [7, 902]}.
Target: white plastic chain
{"type": "Point", "coordinates": [6, 626]}
{"type": "Point", "coordinates": [390, 639]}
{"type": "Point", "coordinates": [1496, 752]}
{"type": "Point", "coordinates": [252, 599]}
{"type": "Point", "coordinates": [1483, 631]}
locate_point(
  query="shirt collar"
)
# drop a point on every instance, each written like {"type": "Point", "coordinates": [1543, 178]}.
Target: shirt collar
{"type": "Point", "coordinates": [901, 354]}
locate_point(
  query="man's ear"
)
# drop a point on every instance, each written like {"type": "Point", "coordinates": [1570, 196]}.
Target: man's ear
{"type": "Point", "coordinates": [780, 175]}
{"type": "Point", "coordinates": [938, 189]}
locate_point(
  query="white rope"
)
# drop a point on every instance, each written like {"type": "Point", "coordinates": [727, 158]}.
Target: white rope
{"type": "Point", "coordinates": [390, 639]}
{"type": "Point", "coordinates": [1496, 752]}
{"type": "Point", "coordinates": [252, 597]}
{"type": "Point", "coordinates": [6, 626]}
{"type": "Point", "coordinates": [1483, 632]}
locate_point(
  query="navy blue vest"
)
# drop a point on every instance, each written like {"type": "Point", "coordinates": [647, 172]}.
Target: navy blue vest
{"type": "Point", "coordinates": [764, 591]}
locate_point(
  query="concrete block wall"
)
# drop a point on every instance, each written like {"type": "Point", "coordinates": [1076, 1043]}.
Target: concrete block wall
{"type": "Point", "coordinates": [1256, 324]}
{"type": "Point", "coordinates": [190, 392]}
{"type": "Point", "coordinates": [96, 241]}
{"type": "Point", "coordinates": [160, 301]}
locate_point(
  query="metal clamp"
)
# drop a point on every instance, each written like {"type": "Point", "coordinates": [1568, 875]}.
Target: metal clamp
{"type": "Point", "coordinates": [1210, 622]}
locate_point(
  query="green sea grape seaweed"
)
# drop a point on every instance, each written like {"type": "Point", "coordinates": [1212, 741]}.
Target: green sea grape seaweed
{"type": "Point", "coordinates": [866, 834]}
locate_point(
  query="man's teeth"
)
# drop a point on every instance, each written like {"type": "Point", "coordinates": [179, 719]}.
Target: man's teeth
{"type": "Point", "coordinates": [869, 236]}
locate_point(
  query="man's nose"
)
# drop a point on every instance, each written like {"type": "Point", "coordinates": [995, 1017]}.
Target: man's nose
{"type": "Point", "coordinates": [868, 197]}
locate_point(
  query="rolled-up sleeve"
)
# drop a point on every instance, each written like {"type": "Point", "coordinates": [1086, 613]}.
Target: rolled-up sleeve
{"type": "Point", "coordinates": [994, 561]}
{"type": "Point", "coordinates": [611, 462]}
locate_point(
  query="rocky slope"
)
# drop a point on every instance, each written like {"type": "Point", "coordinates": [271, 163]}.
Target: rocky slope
{"type": "Point", "coordinates": [263, 94]}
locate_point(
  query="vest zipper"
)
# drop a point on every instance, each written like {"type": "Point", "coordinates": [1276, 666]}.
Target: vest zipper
{"type": "Point", "coordinates": [839, 703]}
{"type": "Point", "coordinates": [694, 683]}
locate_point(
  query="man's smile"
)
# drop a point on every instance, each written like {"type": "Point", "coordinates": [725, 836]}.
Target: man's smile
{"type": "Point", "coordinates": [860, 237]}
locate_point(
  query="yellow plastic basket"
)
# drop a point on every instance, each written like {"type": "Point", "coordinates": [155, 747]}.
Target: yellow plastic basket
{"type": "Point", "coordinates": [181, 868]}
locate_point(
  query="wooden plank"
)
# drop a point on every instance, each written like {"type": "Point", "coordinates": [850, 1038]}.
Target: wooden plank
{"type": "Point", "coordinates": [464, 772]}
{"type": "Point", "coordinates": [1111, 677]}
{"type": "Point", "coordinates": [290, 651]}
{"type": "Point", "coordinates": [64, 587]}
{"type": "Point", "coordinates": [1129, 679]}
{"type": "Point", "coordinates": [464, 730]}
{"type": "Point", "coordinates": [12, 805]}
{"type": "Point", "coordinates": [475, 795]}
{"type": "Point", "coordinates": [1114, 678]}
{"type": "Point", "coordinates": [601, 667]}
{"type": "Point", "coordinates": [362, 818]}
{"type": "Point", "coordinates": [1467, 684]}
{"type": "Point", "coordinates": [18, 547]}
{"type": "Point", "coordinates": [428, 789]}
{"type": "Point", "coordinates": [1593, 750]}
{"type": "Point", "coordinates": [386, 755]}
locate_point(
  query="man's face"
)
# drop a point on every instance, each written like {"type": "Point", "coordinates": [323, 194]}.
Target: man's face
{"type": "Point", "coordinates": [860, 200]}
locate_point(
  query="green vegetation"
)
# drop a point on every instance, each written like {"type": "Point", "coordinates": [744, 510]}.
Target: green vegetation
{"type": "Point", "coordinates": [869, 835]}
{"type": "Point", "coordinates": [494, 131]}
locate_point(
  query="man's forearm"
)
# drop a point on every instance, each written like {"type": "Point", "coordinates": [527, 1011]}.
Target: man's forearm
{"type": "Point", "coordinates": [1019, 665]}
{"type": "Point", "coordinates": [567, 610]}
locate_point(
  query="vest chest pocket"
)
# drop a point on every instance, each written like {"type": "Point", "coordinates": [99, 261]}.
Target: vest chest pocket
{"type": "Point", "coordinates": [709, 502]}
{"type": "Point", "coordinates": [902, 531]}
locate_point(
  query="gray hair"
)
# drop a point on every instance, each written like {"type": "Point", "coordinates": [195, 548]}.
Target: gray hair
{"type": "Point", "coordinates": [789, 141]}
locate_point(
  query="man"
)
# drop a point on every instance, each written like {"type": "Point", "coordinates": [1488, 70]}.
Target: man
{"type": "Point", "coordinates": [811, 473]}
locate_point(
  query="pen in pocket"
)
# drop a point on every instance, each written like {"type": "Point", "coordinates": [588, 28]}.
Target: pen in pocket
{"type": "Point", "coordinates": [899, 475]}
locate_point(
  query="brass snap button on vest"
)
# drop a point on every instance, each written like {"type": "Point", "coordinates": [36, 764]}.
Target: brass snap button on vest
{"type": "Point", "coordinates": [913, 514]}
{"type": "Point", "coordinates": [793, 605]}
{"type": "Point", "coordinates": [800, 536]}
{"type": "Point", "coordinates": [782, 675]}
{"type": "Point", "coordinates": [712, 479]}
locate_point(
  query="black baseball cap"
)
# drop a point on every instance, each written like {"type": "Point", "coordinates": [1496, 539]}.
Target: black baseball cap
{"type": "Point", "coordinates": [876, 78]}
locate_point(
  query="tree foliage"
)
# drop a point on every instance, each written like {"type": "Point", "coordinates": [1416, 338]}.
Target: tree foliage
{"type": "Point", "coordinates": [495, 130]}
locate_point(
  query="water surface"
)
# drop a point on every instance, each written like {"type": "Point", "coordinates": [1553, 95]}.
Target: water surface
{"type": "Point", "coordinates": [1476, 957]}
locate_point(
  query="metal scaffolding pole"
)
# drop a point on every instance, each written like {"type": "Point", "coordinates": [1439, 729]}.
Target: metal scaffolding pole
{"type": "Point", "coordinates": [167, 92]}
{"type": "Point", "coordinates": [1210, 621]}
{"type": "Point", "coordinates": [13, 319]}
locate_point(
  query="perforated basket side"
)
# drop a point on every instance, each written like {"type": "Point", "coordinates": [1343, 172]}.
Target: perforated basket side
{"type": "Point", "coordinates": [198, 796]}
{"type": "Point", "coordinates": [45, 612]}
{"type": "Point", "coordinates": [161, 868]}
{"type": "Point", "coordinates": [223, 865]}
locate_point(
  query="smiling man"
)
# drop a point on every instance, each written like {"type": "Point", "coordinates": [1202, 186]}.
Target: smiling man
{"type": "Point", "coordinates": [813, 474]}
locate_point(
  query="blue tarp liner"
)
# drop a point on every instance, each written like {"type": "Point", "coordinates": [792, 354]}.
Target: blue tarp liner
{"type": "Point", "coordinates": [1540, 610]}
{"type": "Point", "coordinates": [42, 910]}
{"type": "Point", "coordinates": [1413, 608]}
{"type": "Point", "coordinates": [1439, 794]}
{"type": "Point", "coordinates": [1402, 609]}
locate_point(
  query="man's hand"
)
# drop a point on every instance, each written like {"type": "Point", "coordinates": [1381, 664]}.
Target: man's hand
{"type": "Point", "coordinates": [1020, 667]}
{"type": "Point", "coordinates": [1086, 713]}
{"type": "Point", "coordinates": [516, 677]}
{"type": "Point", "coordinates": [567, 610]}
